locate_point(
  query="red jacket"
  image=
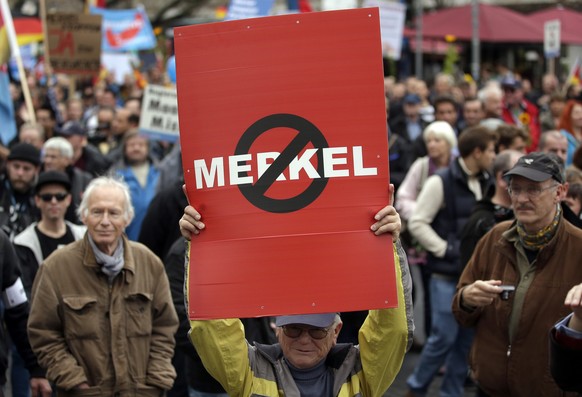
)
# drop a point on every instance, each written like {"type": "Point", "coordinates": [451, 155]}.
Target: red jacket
{"type": "Point", "coordinates": [529, 117]}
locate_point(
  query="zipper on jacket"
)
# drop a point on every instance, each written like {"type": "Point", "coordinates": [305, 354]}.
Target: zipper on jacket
{"type": "Point", "coordinates": [508, 350]}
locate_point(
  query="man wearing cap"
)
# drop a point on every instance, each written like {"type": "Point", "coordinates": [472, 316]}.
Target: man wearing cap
{"type": "Point", "coordinates": [519, 111]}
{"type": "Point", "coordinates": [512, 290]}
{"type": "Point", "coordinates": [308, 361]}
{"type": "Point", "coordinates": [17, 209]}
{"type": "Point", "coordinates": [85, 156]}
{"type": "Point", "coordinates": [40, 239]}
{"type": "Point", "coordinates": [406, 143]}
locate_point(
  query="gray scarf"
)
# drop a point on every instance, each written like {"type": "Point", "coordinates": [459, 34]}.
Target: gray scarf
{"type": "Point", "coordinates": [110, 265]}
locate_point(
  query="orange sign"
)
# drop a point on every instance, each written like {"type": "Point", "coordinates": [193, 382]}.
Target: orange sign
{"type": "Point", "coordinates": [285, 155]}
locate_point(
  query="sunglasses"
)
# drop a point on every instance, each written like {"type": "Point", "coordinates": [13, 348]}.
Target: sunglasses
{"type": "Point", "coordinates": [293, 331]}
{"type": "Point", "coordinates": [48, 197]}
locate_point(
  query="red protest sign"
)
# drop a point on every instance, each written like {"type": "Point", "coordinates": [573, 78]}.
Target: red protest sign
{"type": "Point", "coordinates": [284, 148]}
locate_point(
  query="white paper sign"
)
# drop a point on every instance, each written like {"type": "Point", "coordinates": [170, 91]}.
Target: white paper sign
{"type": "Point", "coordinates": [552, 38]}
{"type": "Point", "coordinates": [392, 17]}
{"type": "Point", "coordinates": [159, 113]}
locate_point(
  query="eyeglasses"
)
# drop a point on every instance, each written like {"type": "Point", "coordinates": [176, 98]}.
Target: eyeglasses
{"type": "Point", "coordinates": [530, 191]}
{"type": "Point", "coordinates": [48, 197]}
{"type": "Point", "coordinates": [294, 331]}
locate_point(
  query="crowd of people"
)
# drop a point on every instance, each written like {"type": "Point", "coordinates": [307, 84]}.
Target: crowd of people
{"type": "Point", "coordinates": [487, 183]}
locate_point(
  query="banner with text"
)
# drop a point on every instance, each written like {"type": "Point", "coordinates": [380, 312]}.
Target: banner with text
{"type": "Point", "coordinates": [159, 113]}
{"type": "Point", "coordinates": [74, 43]}
{"type": "Point", "coordinates": [284, 149]}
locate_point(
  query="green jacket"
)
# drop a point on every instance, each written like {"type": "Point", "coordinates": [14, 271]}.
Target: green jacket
{"type": "Point", "coordinates": [366, 370]}
{"type": "Point", "coordinates": [118, 338]}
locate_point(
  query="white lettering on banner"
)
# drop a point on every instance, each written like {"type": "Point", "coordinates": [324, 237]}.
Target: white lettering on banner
{"type": "Point", "coordinates": [213, 176]}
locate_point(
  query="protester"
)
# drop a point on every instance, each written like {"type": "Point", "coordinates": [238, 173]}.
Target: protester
{"type": "Point", "coordinates": [40, 239]}
{"type": "Point", "coordinates": [566, 345]}
{"type": "Point", "coordinates": [512, 290]}
{"type": "Point", "coordinates": [511, 138]}
{"type": "Point", "coordinates": [17, 189]}
{"type": "Point", "coordinates": [307, 361]}
{"type": "Point", "coordinates": [445, 109]}
{"type": "Point", "coordinates": [102, 319]}
{"type": "Point", "coordinates": [442, 209]}
{"type": "Point", "coordinates": [405, 144]}
{"type": "Point", "coordinates": [14, 318]}
{"type": "Point", "coordinates": [519, 111]}
{"type": "Point", "coordinates": [495, 207]}
{"type": "Point", "coordinates": [574, 198]}
{"type": "Point", "coordinates": [138, 170]}
{"type": "Point", "coordinates": [85, 156]}
{"type": "Point", "coordinates": [554, 142]}
{"type": "Point", "coordinates": [570, 126]}
{"type": "Point", "coordinates": [441, 143]}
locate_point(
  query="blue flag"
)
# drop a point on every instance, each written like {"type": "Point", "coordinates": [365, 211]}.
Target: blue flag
{"type": "Point", "coordinates": [7, 120]}
{"type": "Point", "coordinates": [125, 30]}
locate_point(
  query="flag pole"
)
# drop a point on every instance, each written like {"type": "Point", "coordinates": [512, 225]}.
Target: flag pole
{"type": "Point", "coordinates": [9, 23]}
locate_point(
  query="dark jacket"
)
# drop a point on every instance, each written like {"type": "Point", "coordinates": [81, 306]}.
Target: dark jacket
{"type": "Point", "coordinates": [17, 210]}
{"type": "Point", "coordinates": [459, 201]}
{"type": "Point", "coordinates": [15, 316]}
{"type": "Point", "coordinates": [485, 215]}
{"type": "Point", "coordinates": [565, 365]}
{"type": "Point", "coordinates": [79, 181]}
{"type": "Point", "coordinates": [159, 229]}
{"type": "Point", "coordinates": [402, 150]}
{"type": "Point", "coordinates": [92, 161]}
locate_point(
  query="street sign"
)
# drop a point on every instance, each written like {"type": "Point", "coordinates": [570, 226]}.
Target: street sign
{"type": "Point", "coordinates": [552, 38]}
{"type": "Point", "coordinates": [284, 148]}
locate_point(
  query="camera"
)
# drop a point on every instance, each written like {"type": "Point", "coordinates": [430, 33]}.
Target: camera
{"type": "Point", "coordinates": [507, 289]}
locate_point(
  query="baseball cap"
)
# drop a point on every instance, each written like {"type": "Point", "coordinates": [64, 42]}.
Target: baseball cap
{"type": "Point", "coordinates": [53, 177]}
{"type": "Point", "coordinates": [322, 320]}
{"type": "Point", "coordinates": [72, 128]}
{"type": "Point", "coordinates": [25, 152]}
{"type": "Point", "coordinates": [510, 81]}
{"type": "Point", "coordinates": [537, 167]}
{"type": "Point", "coordinates": [411, 99]}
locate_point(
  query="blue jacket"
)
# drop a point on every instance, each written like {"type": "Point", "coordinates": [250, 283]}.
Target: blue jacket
{"type": "Point", "coordinates": [140, 196]}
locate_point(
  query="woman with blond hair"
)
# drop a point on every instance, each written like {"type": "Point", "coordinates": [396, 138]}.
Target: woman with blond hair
{"type": "Point", "coordinates": [441, 145]}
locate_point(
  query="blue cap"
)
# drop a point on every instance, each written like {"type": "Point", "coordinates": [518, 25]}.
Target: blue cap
{"type": "Point", "coordinates": [322, 320]}
{"type": "Point", "coordinates": [412, 99]}
{"type": "Point", "coordinates": [509, 80]}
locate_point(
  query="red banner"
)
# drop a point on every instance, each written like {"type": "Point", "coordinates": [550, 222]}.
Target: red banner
{"type": "Point", "coordinates": [284, 148]}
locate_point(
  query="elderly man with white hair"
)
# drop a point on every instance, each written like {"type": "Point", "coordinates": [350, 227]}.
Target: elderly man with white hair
{"type": "Point", "coordinates": [102, 321]}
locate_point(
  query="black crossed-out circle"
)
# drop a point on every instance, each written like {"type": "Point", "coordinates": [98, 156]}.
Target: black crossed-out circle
{"type": "Point", "coordinates": [306, 132]}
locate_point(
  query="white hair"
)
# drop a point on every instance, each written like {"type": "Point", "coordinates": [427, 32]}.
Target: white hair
{"type": "Point", "coordinates": [442, 130]}
{"type": "Point", "coordinates": [106, 181]}
{"type": "Point", "coordinates": [60, 144]}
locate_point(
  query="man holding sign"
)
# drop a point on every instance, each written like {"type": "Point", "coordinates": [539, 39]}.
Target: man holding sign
{"type": "Point", "coordinates": [308, 361]}
{"type": "Point", "coordinates": [287, 173]}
